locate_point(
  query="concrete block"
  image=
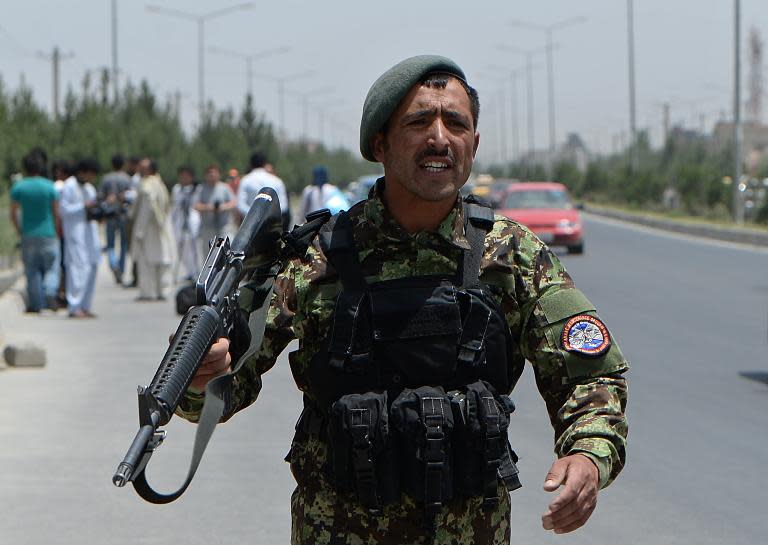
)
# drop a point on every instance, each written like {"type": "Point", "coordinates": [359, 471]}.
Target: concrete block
{"type": "Point", "coordinates": [26, 355]}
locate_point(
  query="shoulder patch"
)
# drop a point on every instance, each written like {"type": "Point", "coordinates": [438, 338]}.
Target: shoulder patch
{"type": "Point", "coordinates": [586, 335]}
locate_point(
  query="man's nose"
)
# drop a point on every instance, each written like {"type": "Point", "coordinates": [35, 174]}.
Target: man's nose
{"type": "Point", "coordinates": [437, 134]}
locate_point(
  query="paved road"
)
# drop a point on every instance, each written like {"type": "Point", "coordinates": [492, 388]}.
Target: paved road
{"type": "Point", "coordinates": [690, 316]}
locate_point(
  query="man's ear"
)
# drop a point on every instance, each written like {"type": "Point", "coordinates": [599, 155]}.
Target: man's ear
{"type": "Point", "coordinates": [379, 146]}
{"type": "Point", "coordinates": [477, 143]}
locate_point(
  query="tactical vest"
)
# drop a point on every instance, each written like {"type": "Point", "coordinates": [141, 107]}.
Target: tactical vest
{"type": "Point", "coordinates": [408, 389]}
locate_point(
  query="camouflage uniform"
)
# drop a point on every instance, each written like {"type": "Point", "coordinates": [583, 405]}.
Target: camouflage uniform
{"type": "Point", "coordinates": [585, 397]}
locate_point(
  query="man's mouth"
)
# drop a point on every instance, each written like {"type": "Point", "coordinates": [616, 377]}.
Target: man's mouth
{"type": "Point", "coordinates": [436, 166]}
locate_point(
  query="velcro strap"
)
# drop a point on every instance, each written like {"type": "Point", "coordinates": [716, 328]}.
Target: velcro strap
{"type": "Point", "coordinates": [494, 450]}
{"type": "Point", "coordinates": [362, 457]}
{"type": "Point", "coordinates": [473, 333]}
{"type": "Point", "coordinates": [563, 304]}
{"type": "Point", "coordinates": [434, 452]}
{"type": "Point", "coordinates": [482, 216]}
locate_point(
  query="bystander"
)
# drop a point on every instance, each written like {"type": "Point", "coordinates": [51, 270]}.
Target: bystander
{"type": "Point", "coordinates": [37, 200]}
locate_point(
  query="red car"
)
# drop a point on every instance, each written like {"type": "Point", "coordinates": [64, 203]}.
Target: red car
{"type": "Point", "coordinates": [547, 210]}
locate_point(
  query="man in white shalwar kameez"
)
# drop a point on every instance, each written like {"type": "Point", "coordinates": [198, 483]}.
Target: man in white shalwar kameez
{"type": "Point", "coordinates": [152, 242]}
{"type": "Point", "coordinates": [186, 224]}
{"type": "Point", "coordinates": [82, 248]}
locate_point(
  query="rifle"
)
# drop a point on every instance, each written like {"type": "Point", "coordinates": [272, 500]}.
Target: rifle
{"type": "Point", "coordinates": [214, 315]}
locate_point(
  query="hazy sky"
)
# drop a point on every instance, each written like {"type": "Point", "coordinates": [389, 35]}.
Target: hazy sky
{"type": "Point", "coordinates": [684, 55]}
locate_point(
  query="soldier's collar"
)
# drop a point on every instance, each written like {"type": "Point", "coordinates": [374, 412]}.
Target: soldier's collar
{"type": "Point", "coordinates": [451, 229]}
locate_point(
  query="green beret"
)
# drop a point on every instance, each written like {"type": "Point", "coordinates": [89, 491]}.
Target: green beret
{"type": "Point", "coordinates": [386, 93]}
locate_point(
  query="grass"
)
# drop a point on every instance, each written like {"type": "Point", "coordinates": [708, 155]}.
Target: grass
{"type": "Point", "coordinates": [8, 236]}
{"type": "Point", "coordinates": [679, 217]}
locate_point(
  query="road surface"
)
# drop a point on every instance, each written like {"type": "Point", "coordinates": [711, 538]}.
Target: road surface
{"type": "Point", "coordinates": [690, 315]}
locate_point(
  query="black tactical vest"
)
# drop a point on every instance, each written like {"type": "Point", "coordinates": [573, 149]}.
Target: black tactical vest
{"type": "Point", "coordinates": [410, 385]}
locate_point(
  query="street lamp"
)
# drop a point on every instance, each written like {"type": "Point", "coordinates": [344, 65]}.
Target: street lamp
{"type": "Point", "coordinates": [322, 111]}
{"type": "Point", "coordinates": [305, 96]}
{"type": "Point", "coordinates": [632, 105]}
{"type": "Point", "coordinates": [548, 30]}
{"type": "Point", "coordinates": [738, 209]}
{"type": "Point", "coordinates": [249, 59]}
{"type": "Point", "coordinates": [281, 91]}
{"type": "Point", "coordinates": [501, 129]}
{"type": "Point", "coordinates": [200, 20]}
{"type": "Point", "coordinates": [529, 53]}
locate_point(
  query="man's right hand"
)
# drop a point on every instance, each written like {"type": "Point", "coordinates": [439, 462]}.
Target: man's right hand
{"type": "Point", "coordinates": [216, 362]}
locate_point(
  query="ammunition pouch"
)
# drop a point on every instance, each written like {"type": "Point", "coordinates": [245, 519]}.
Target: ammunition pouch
{"type": "Point", "coordinates": [361, 449]}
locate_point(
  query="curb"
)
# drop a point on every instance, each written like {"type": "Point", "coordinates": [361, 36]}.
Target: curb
{"type": "Point", "coordinates": [728, 234]}
{"type": "Point", "coordinates": [8, 277]}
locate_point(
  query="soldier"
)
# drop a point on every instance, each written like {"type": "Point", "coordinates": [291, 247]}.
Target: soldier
{"type": "Point", "coordinates": [415, 312]}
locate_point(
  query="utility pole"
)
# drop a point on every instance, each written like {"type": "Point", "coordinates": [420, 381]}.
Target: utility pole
{"type": "Point", "coordinates": [549, 47]}
{"type": "Point", "coordinates": [632, 110]}
{"type": "Point", "coordinates": [55, 59]}
{"type": "Point", "coordinates": [114, 51]}
{"type": "Point", "coordinates": [665, 121]}
{"type": "Point", "coordinates": [738, 209]}
{"type": "Point", "coordinates": [200, 20]}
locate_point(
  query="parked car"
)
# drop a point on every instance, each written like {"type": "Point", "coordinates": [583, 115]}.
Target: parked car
{"type": "Point", "coordinates": [498, 190]}
{"type": "Point", "coordinates": [358, 190]}
{"type": "Point", "coordinates": [546, 209]}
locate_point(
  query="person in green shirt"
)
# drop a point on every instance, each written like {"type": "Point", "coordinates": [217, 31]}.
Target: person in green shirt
{"type": "Point", "coordinates": [35, 200]}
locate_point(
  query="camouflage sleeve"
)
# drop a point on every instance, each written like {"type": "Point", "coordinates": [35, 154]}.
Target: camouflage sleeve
{"type": "Point", "coordinates": [278, 332]}
{"type": "Point", "coordinates": [585, 394]}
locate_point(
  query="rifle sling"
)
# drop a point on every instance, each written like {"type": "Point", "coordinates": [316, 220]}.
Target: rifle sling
{"type": "Point", "coordinates": [216, 393]}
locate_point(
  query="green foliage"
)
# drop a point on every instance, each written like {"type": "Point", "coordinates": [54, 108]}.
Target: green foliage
{"type": "Point", "coordinates": [692, 168]}
{"type": "Point", "coordinates": [141, 124]}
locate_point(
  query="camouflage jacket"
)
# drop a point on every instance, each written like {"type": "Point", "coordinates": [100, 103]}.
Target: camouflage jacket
{"type": "Point", "coordinates": [585, 396]}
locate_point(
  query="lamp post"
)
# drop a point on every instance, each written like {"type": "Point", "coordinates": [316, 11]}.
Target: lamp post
{"type": "Point", "coordinates": [549, 47]}
{"type": "Point", "coordinates": [632, 105]}
{"type": "Point", "coordinates": [114, 51]}
{"type": "Point", "coordinates": [501, 128]}
{"type": "Point", "coordinates": [738, 209]}
{"type": "Point", "coordinates": [249, 58]}
{"type": "Point", "coordinates": [305, 96]}
{"type": "Point", "coordinates": [529, 53]}
{"type": "Point", "coordinates": [200, 20]}
{"type": "Point", "coordinates": [322, 111]}
{"type": "Point", "coordinates": [281, 80]}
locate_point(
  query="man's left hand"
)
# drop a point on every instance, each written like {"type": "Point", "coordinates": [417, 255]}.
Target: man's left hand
{"type": "Point", "coordinates": [574, 505]}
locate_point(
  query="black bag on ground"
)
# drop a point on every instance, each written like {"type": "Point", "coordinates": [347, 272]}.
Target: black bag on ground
{"type": "Point", "coordinates": [186, 298]}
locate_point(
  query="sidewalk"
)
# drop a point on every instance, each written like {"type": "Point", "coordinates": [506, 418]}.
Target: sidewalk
{"type": "Point", "coordinates": [65, 427]}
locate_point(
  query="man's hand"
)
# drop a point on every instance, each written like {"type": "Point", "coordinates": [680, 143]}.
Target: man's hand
{"type": "Point", "coordinates": [216, 363]}
{"type": "Point", "coordinates": [574, 505]}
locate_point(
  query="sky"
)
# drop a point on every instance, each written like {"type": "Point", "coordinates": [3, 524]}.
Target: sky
{"type": "Point", "coordinates": [683, 49]}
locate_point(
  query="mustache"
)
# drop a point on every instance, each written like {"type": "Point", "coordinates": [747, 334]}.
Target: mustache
{"type": "Point", "coordinates": [432, 151]}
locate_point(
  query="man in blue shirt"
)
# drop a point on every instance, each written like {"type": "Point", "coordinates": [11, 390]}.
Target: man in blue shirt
{"type": "Point", "coordinates": [37, 199]}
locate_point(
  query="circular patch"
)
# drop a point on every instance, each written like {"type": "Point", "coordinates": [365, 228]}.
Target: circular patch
{"type": "Point", "coordinates": [584, 334]}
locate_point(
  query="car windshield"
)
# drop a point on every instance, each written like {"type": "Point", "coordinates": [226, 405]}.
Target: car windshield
{"type": "Point", "coordinates": [543, 198]}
